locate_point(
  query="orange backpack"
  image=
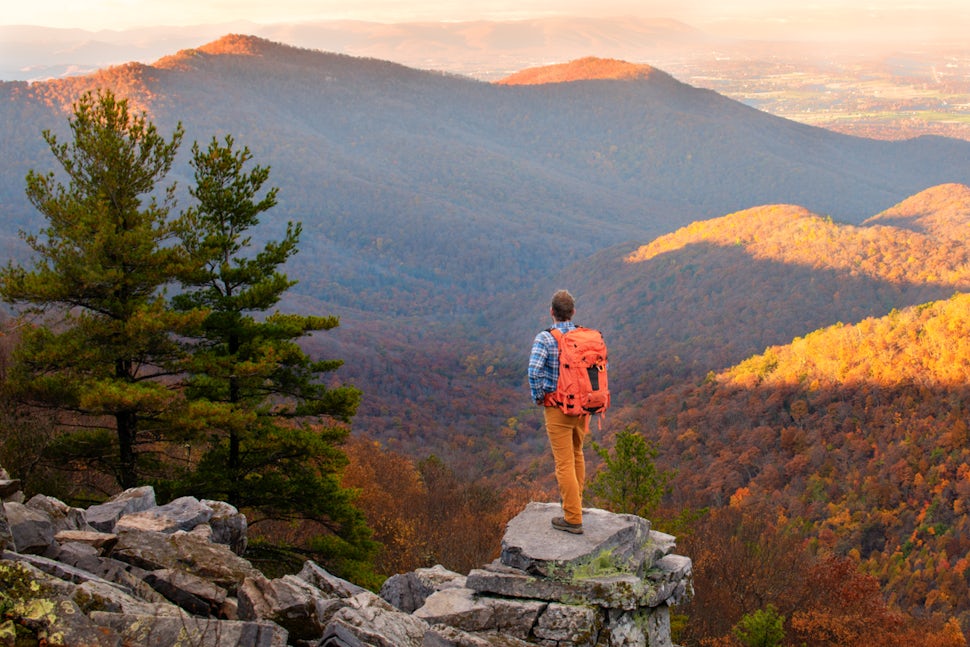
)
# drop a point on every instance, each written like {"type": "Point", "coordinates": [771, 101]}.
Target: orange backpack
{"type": "Point", "coordinates": [583, 386]}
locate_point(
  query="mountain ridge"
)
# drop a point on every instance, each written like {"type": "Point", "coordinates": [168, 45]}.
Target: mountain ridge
{"type": "Point", "coordinates": [430, 203]}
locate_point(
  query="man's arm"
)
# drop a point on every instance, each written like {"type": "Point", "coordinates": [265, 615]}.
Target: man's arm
{"type": "Point", "coordinates": [538, 372]}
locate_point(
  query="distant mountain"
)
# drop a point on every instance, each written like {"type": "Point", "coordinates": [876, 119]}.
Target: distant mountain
{"type": "Point", "coordinates": [479, 49]}
{"type": "Point", "coordinates": [586, 69]}
{"type": "Point", "coordinates": [404, 179]}
{"type": "Point", "coordinates": [440, 212]}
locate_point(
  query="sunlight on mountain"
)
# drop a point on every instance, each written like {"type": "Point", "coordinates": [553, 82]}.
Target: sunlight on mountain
{"type": "Point", "coordinates": [584, 69]}
{"type": "Point", "coordinates": [885, 247]}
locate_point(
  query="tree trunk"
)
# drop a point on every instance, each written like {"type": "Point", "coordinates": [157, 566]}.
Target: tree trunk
{"type": "Point", "coordinates": [127, 470]}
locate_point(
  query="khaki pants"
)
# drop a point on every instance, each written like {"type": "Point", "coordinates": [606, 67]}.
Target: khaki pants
{"type": "Point", "coordinates": [566, 435]}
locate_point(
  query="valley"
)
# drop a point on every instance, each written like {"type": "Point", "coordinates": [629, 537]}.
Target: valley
{"type": "Point", "coordinates": [903, 93]}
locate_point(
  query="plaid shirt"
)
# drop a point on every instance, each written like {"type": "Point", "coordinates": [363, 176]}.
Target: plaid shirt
{"type": "Point", "coordinates": [544, 362]}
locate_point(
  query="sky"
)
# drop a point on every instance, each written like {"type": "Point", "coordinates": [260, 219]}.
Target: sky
{"type": "Point", "coordinates": [736, 17]}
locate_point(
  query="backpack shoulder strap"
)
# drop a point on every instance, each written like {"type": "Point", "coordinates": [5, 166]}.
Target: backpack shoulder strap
{"type": "Point", "coordinates": [558, 334]}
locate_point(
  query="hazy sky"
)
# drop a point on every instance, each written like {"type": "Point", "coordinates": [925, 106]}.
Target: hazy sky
{"type": "Point", "coordinates": [924, 17]}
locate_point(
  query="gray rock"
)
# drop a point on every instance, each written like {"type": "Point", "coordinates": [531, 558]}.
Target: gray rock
{"type": "Point", "coordinates": [194, 594]}
{"type": "Point", "coordinates": [619, 591]}
{"type": "Point", "coordinates": [185, 629]}
{"type": "Point", "coordinates": [129, 578]}
{"type": "Point", "coordinates": [445, 636]}
{"type": "Point", "coordinates": [228, 525]}
{"type": "Point", "coordinates": [610, 587]}
{"type": "Point", "coordinates": [408, 591]}
{"type": "Point", "coordinates": [341, 634]}
{"type": "Point", "coordinates": [153, 551]}
{"type": "Point", "coordinates": [78, 555]}
{"type": "Point", "coordinates": [642, 627]}
{"type": "Point", "coordinates": [288, 601]}
{"type": "Point", "coordinates": [318, 577]}
{"type": "Point", "coordinates": [463, 609]}
{"type": "Point", "coordinates": [32, 530]}
{"type": "Point", "coordinates": [375, 623]}
{"type": "Point", "coordinates": [102, 542]}
{"type": "Point", "coordinates": [184, 513]}
{"type": "Point", "coordinates": [577, 625]}
{"type": "Point", "coordinates": [672, 578]}
{"type": "Point", "coordinates": [658, 545]}
{"type": "Point", "coordinates": [61, 515]}
{"type": "Point", "coordinates": [65, 624]}
{"type": "Point", "coordinates": [100, 595]}
{"type": "Point", "coordinates": [35, 566]}
{"type": "Point", "coordinates": [103, 516]}
{"type": "Point", "coordinates": [58, 572]}
{"type": "Point", "coordinates": [616, 542]}
{"type": "Point", "coordinates": [440, 578]}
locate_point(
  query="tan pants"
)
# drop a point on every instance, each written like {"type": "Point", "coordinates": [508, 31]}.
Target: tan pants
{"type": "Point", "coordinates": [566, 436]}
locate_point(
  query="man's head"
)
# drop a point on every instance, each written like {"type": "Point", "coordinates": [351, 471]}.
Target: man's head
{"type": "Point", "coordinates": [563, 306]}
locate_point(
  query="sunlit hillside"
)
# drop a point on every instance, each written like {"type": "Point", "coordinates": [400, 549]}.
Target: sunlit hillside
{"type": "Point", "coordinates": [717, 291]}
{"type": "Point", "coordinates": [856, 433]}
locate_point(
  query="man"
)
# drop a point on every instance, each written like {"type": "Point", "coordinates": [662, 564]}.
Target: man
{"type": "Point", "coordinates": [566, 433]}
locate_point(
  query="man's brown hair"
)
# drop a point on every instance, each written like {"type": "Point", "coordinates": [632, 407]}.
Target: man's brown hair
{"type": "Point", "coordinates": [563, 306]}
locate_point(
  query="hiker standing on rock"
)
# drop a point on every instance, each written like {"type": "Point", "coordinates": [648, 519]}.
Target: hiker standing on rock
{"type": "Point", "coordinates": [566, 431]}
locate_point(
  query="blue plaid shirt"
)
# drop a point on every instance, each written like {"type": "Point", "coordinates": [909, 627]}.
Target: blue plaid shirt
{"type": "Point", "coordinates": [544, 362]}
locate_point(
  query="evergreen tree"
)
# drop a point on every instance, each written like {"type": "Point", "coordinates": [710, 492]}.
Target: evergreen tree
{"type": "Point", "coordinates": [103, 356]}
{"type": "Point", "coordinates": [274, 427]}
{"type": "Point", "coordinates": [629, 481]}
{"type": "Point", "coordinates": [763, 628]}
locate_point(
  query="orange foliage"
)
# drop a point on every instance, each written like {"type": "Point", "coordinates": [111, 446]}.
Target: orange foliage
{"type": "Point", "coordinates": [424, 513]}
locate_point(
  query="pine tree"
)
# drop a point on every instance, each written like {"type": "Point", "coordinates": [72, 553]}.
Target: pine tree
{"type": "Point", "coordinates": [762, 628]}
{"type": "Point", "coordinates": [628, 480]}
{"type": "Point", "coordinates": [273, 427]}
{"type": "Point", "coordinates": [103, 353]}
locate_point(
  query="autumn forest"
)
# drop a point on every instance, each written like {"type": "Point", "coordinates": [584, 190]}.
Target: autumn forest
{"type": "Point", "coordinates": [787, 309]}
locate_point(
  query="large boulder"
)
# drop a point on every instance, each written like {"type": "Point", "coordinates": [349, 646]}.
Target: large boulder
{"type": "Point", "coordinates": [616, 542]}
{"type": "Point", "coordinates": [228, 525]}
{"type": "Point", "coordinates": [190, 592]}
{"type": "Point", "coordinates": [371, 621]}
{"type": "Point", "coordinates": [184, 513]}
{"type": "Point", "coordinates": [154, 551]}
{"type": "Point", "coordinates": [408, 591]}
{"type": "Point", "coordinates": [612, 585]}
{"type": "Point", "coordinates": [61, 515]}
{"type": "Point", "coordinates": [32, 530]}
{"type": "Point", "coordinates": [288, 601]}
{"type": "Point", "coordinates": [104, 516]}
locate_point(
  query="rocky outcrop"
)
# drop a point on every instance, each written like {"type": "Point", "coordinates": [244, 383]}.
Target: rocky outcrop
{"type": "Point", "coordinates": [133, 573]}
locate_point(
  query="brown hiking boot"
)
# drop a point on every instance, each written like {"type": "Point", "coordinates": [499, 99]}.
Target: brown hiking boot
{"type": "Point", "coordinates": [560, 523]}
